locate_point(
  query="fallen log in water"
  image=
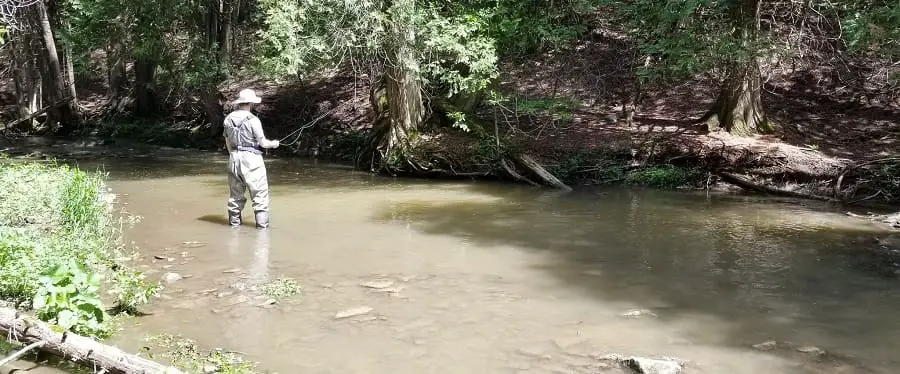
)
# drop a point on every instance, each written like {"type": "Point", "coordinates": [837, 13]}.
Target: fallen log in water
{"type": "Point", "coordinates": [749, 185]}
{"type": "Point", "coordinates": [18, 327]}
{"type": "Point", "coordinates": [539, 171]}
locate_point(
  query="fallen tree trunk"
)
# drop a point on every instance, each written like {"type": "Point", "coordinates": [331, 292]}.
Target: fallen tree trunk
{"type": "Point", "coordinates": [509, 169]}
{"type": "Point", "coordinates": [90, 353]}
{"type": "Point", "coordinates": [749, 185]}
{"type": "Point", "coordinates": [43, 110]}
{"type": "Point", "coordinates": [539, 171]}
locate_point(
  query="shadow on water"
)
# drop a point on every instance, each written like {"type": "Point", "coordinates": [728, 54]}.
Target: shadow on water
{"type": "Point", "coordinates": [781, 271]}
{"type": "Point", "coordinates": [770, 271]}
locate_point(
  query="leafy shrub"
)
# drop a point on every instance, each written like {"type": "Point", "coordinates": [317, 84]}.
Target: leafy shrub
{"type": "Point", "coordinates": [68, 299]}
{"type": "Point", "coordinates": [58, 239]}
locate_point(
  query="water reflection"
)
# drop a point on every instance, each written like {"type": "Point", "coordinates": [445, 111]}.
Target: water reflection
{"type": "Point", "coordinates": [766, 268]}
{"type": "Point", "coordinates": [515, 263]}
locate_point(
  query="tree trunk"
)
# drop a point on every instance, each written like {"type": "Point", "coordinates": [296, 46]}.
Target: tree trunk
{"type": "Point", "coordinates": [87, 352]}
{"type": "Point", "coordinates": [146, 104]}
{"type": "Point", "coordinates": [212, 104]}
{"type": "Point", "coordinates": [26, 74]}
{"type": "Point", "coordinates": [404, 93]}
{"type": "Point", "coordinates": [212, 25]}
{"type": "Point", "coordinates": [116, 78]}
{"type": "Point", "coordinates": [57, 89]}
{"type": "Point", "coordinates": [226, 33]}
{"type": "Point", "coordinates": [739, 109]}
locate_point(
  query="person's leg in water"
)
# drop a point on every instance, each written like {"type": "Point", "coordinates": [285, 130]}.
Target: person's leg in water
{"type": "Point", "coordinates": [236, 188]}
{"type": "Point", "coordinates": [254, 172]}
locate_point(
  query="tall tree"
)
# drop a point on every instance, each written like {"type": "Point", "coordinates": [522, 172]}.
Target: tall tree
{"type": "Point", "coordinates": [416, 49]}
{"type": "Point", "coordinates": [39, 77]}
{"type": "Point", "coordinates": [739, 107]}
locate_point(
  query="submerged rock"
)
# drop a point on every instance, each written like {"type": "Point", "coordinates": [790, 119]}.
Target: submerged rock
{"type": "Point", "coordinates": [766, 346]}
{"type": "Point", "coordinates": [378, 285]}
{"type": "Point", "coordinates": [644, 365]}
{"type": "Point", "coordinates": [816, 351]}
{"type": "Point", "coordinates": [639, 313]}
{"type": "Point", "coordinates": [172, 277]}
{"type": "Point", "coordinates": [353, 312]}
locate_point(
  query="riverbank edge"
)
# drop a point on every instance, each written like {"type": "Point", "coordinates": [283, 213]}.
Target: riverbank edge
{"type": "Point", "coordinates": [714, 162]}
{"type": "Point", "coordinates": [54, 214]}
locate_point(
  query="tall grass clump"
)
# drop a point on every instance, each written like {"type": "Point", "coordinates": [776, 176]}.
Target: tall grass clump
{"type": "Point", "coordinates": [61, 253]}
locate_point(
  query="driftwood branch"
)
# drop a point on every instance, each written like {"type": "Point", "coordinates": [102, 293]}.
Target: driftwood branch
{"type": "Point", "coordinates": [539, 171]}
{"type": "Point", "coordinates": [37, 113]}
{"type": "Point", "coordinates": [753, 186]}
{"type": "Point", "coordinates": [90, 353]}
{"type": "Point", "coordinates": [510, 169]}
{"type": "Point", "coordinates": [840, 179]}
{"type": "Point", "coordinates": [21, 352]}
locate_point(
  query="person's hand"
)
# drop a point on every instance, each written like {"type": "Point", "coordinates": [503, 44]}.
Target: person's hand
{"type": "Point", "coordinates": [277, 143]}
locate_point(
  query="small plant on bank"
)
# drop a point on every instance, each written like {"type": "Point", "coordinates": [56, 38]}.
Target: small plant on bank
{"type": "Point", "coordinates": [665, 176]}
{"type": "Point", "coordinates": [187, 355]}
{"type": "Point", "coordinates": [60, 247]}
{"type": "Point", "coordinates": [281, 288]}
{"type": "Point", "coordinates": [67, 298]}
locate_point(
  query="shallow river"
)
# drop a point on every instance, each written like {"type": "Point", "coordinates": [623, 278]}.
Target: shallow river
{"type": "Point", "coordinates": [475, 277]}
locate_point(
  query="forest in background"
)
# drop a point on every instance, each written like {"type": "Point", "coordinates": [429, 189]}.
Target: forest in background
{"type": "Point", "coordinates": [796, 97]}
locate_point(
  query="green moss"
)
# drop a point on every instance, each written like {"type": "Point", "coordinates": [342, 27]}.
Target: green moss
{"type": "Point", "coordinates": [665, 176]}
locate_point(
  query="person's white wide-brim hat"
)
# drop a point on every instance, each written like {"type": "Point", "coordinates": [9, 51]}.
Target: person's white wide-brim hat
{"type": "Point", "coordinates": [247, 96]}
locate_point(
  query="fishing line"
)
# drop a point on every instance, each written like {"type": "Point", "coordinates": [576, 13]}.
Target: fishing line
{"type": "Point", "coordinates": [309, 124]}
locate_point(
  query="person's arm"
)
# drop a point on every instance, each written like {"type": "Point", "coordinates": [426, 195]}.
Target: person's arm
{"type": "Point", "coordinates": [256, 127]}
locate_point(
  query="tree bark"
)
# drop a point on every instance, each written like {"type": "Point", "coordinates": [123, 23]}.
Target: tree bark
{"type": "Point", "coordinates": [539, 171]}
{"type": "Point", "coordinates": [212, 104]}
{"type": "Point", "coordinates": [739, 108]}
{"type": "Point", "coordinates": [226, 34]}
{"type": "Point", "coordinates": [26, 74]}
{"type": "Point", "coordinates": [116, 78]}
{"type": "Point", "coordinates": [55, 80]}
{"type": "Point", "coordinates": [406, 110]}
{"type": "Point", "coordinates": [146, 104]}
{"type": "Point", "coordinates": [85, 351]}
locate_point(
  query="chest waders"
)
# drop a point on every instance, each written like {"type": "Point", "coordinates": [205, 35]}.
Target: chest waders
{"type": "Point", "coordinates": [246, 170]}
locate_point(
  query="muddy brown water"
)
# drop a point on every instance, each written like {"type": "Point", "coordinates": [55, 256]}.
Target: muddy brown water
{"type": "Point", "coordinates": [475, 277]}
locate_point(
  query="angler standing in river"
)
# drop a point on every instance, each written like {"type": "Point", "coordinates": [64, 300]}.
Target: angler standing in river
{"type": "Point", "coordinates": [244, 139]}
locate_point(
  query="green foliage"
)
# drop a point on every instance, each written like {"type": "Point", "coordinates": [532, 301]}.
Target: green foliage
{"type": "Point", "coordinates": [303, 37]}
{"type": "Point", "coordinates": [187, 355]}
{"type": "Point", "coordinates": [872, 28]}
{"type": "Point", "coordinates": [58, 239]}
{"type": "Point", "coordinates": [457, 53]}
{"type": "Point", "coordinates": [685, 37]}
{"type": "Point", "coordinates": [67, 297]}
{"type": "Point", "coordinates": [600, 168]}
{"type": "Point", "coordinates": [664, 176]}
{"type": "Point", "coordinates": [557, 107]}
{"type": "Point", "coordinates": [281, 288]}
{"type": "Point", "coordinates": [133, 291]}
{"type": "Point", "coordinates": [523, 27]}
{"type": "Point", "coordinates": [576, 165]}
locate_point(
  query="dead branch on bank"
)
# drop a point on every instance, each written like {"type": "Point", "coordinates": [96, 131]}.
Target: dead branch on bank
{"type": "Point", "coordinates": [857, 166]}
{"type": "Point", "coordinates": [43, 110]}
{"type": "Point", "coordinates": [20, 328]}
{"type": "Point", "coordinates": [749, 185]}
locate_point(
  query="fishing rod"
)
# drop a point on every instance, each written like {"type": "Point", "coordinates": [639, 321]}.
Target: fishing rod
{"type": "Point", "coordinates": [307, 125]}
